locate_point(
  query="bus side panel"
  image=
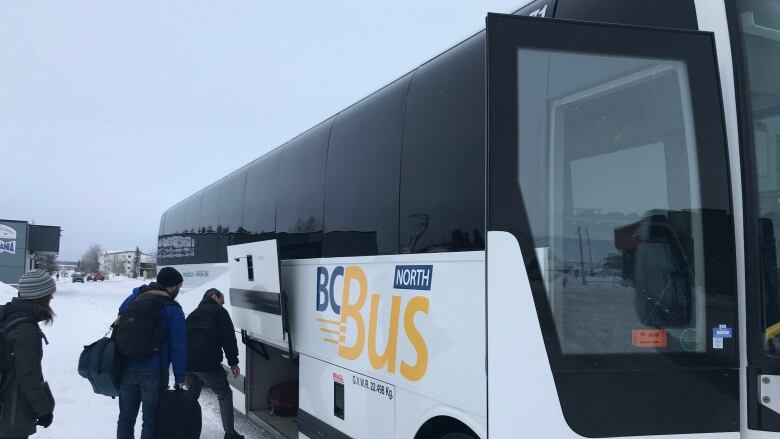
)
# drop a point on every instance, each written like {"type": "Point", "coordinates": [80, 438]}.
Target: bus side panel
{"type": "Point", "coordinates": [416, 322]}
{"type": "Point", "coordinates": [363, 406]}
{"type": "Point", "coordinates": [329, 392]}
{"type": "Point", "coordinates": [200, 277]}
{"type": "Point", "coordinates": [413, 410]}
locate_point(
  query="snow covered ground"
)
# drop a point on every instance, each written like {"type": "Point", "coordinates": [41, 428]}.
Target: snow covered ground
{"type": "Point", "coordinates": [84, 312]}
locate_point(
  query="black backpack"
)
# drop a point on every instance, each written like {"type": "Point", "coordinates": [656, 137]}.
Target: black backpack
{"type": "Point", "coordinates": [139, 332]}
{"type": "Point", "coordinates": [202, 335]}
{"type": "Point", "coordinates": [6, 357]}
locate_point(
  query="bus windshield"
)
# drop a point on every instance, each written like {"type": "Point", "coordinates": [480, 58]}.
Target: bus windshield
{"type": "Point", "coordinates": [759, 24]}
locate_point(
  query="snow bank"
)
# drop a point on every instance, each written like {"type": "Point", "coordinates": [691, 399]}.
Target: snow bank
{"type": "Point", "coordinates": [7, 291]}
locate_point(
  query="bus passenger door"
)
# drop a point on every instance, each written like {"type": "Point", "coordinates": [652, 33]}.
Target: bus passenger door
{"type": "Point", "coordinates": [755, 39]}
{"type": "Point", "coordinates": [256, 297]}
{"type": "Point", "coordinates": [611, 267]}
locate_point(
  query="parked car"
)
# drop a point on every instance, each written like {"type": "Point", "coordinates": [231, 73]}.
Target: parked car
{"type": "Point", "coordinates": [99, 277]}
{"type": "Point", "coordinates": [78, 277]}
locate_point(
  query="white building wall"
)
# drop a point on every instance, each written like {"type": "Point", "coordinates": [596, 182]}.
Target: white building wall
{"type": "Point", "coordinates": [122, 262]}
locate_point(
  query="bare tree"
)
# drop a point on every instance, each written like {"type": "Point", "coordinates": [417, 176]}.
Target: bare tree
{"type": "Point", "coordinates": [136, 262]}
{"type": "Point", "coordinates": [90, 262]}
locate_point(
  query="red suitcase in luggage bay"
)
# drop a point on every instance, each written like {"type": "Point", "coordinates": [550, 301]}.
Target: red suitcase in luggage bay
{"type": "Point", "coordinates": [283, 399]}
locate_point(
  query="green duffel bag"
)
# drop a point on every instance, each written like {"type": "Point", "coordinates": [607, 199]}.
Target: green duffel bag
{"type": "Point", "coordinates": [101, 364]}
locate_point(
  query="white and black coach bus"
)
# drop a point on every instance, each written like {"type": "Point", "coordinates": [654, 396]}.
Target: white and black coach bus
{"type": "Point", "coordinates": [562, 227]}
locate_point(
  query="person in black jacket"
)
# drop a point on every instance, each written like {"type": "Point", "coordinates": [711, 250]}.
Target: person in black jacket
{"type": "Point", "coordinates": [26, 398]}
{"type": "Point", "coordinates": [209, 332]}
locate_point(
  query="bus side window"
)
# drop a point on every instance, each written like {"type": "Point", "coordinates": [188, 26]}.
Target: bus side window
{"type": "Point", "coordinates": [442, 162]}
{"type": "Point", "coordinates": [230, 206]}
{"type": "Point", "coordinates": [615, 201]}
{"type": "Point", "coordinates": [260, 197]}
{"type": "Point", "coordinates": [362, 182]}
{"type": "Point", "coordinates": [301, 192]}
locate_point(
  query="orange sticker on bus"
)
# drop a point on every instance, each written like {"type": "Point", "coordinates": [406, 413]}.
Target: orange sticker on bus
{"type": "Point", "coordinates": [648, 338]}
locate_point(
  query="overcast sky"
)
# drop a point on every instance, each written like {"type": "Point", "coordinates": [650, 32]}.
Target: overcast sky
{"type": "Point", "coordinates": [111, 112]}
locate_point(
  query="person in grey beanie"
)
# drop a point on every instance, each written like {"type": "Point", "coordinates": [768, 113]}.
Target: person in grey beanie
{"type": "Point", "coordinates": [26, 398]}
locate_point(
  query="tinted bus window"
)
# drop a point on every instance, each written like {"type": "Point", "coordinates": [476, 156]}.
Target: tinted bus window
{"type": "Point", "coordinates": [209, 214]}
{"type": "Point", "coordinates": [173, 223]}
{"type": "Point", "coordinates": [442, 169]}
{"type": "Point", "coordinates": [162, 223]}
{"type": "Point", "coordinates": [191, 218]}
{"type": "Point", "coordinates": [361, 199]}
{"type": "Point", "coordinates": [230, 207]}
{"type": "Point", "coordinates": [301, 193]}
{"type": "Point", "coordinates": [260, 195]}
{"type": "Point", "coordinates": [181, 245]}
{"type": "Point", "coordinates": [185, 216]}
{"type": "Point", "coordinates": [207, 240]}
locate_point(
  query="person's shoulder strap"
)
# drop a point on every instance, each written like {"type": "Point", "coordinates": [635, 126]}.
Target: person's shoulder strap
{"type": "Point", "coordinates": [162, 297]}
{"type": "Point", "coordinates": [128, 300]}
{"type": "Point", "coordinates": [12, 323]}
{"type": "Point", "coordinates": [170, 301]}
{"type": "Point", "coordinates": [10, 320]}
{"type": "Point", "coordinates": [155, 293]}
{"type": "Point", "coordinates": [165, 302]}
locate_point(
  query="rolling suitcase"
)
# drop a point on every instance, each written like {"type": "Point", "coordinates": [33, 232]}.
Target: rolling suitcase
{"type": "Point", "coordinates": [179, 416]}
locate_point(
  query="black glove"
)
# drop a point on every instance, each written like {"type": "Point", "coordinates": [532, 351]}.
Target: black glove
{"type": "Point", "coordinates": [45, 421]}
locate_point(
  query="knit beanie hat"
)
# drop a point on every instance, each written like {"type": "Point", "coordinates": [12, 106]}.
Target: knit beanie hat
{"type": "Point", "coordinates": [169, 277]}
{"type": "Point", "coordinates": [36, 284]}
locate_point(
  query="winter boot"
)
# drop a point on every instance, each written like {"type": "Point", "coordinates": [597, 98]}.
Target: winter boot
{"type": "Point", "coordinates": [233, 435]}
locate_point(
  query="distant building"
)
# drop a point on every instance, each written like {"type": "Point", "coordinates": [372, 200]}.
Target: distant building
{"type": "Point", "coordinates": [122, 263]}
{"type": "Point", "coordinates": [20, 242]}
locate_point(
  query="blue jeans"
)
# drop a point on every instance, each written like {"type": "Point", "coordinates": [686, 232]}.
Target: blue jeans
{"type": "Point", "coordinates": [139, 387]}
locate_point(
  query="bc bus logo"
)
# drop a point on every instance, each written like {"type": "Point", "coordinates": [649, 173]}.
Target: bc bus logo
{"type": "Point", "coordinates": [349, 304]}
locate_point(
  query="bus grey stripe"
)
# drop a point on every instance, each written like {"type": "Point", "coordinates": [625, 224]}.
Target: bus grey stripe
{"type": "Point", "coordinates": [263, 301]}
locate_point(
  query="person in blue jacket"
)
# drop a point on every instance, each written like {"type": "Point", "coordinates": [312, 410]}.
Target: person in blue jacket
{"type": "Point", "coordinates": [143, 381]}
